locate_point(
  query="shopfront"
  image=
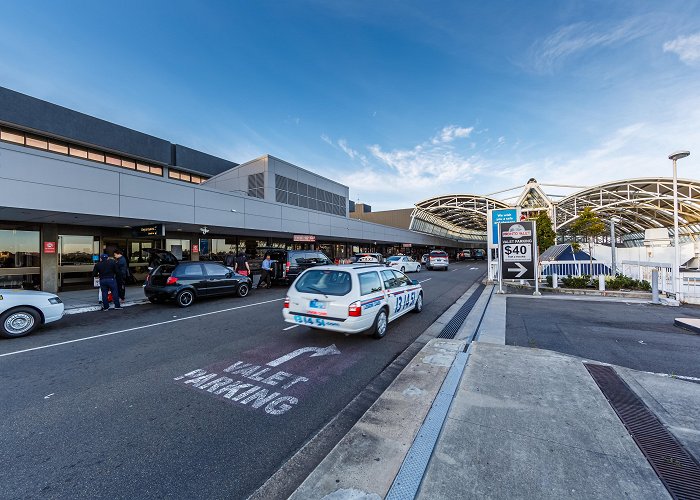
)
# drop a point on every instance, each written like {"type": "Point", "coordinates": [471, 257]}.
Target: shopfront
{"type": "Point", "coordinates": [20, 258]}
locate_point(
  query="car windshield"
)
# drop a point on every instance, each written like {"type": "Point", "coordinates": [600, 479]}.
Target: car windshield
{"type": "Point", "coordinates": [438, 254]}
{"type": "Point", "coordinates": [393, 259]}
{"type": "Point", "coordinates": [327, 282]}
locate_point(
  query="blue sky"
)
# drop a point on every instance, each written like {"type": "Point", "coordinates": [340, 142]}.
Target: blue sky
{"type": "Point", "coordinates": [400, 100]}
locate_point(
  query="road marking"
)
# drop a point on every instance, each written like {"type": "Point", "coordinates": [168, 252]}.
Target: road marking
{"type": "Point", "coordinates": [671, 375]}
{"type": "Point", "coordinates": [141, 327]}
{"type": "Point", "coordinates": [317, 351]}
{"type": "Point", "coordinates": [423, 281]}
{"type": "Point", "coordinates": [289, 328]}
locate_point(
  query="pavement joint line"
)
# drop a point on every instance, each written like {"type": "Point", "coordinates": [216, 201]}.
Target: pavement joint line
{"type": "Point", "coordinates": [139, 327]}
{"type": "Point", "coordinates": [407, 482]}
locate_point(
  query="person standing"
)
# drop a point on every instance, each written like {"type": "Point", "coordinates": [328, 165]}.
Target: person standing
{"type": "Point", "coordinates": [106, 270]}
{"type": "Point", "coordinates": [230, 259]}
{"type": "Point", "coordinates": [241, 265]}
{"type": "Point", "coordinates": [265, 272]}
{"type": "Point", "coordinates": [122, 273]}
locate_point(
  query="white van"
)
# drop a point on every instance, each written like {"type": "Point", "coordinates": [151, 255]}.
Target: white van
{"type": "Point", "coordinates": [351, 298]}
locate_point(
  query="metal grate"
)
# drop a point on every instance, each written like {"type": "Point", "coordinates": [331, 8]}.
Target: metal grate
{"type": "Point", "coordinates": [452, 327]}
{"type": "Point", "coordinates": [678, 470]}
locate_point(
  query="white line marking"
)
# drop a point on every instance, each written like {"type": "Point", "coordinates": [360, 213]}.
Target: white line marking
{"type": "Point", "coordinates": [140, 327]}
{"type": "Point", "coordinates": [289, 328]}
{"type": "Point", "coordinates": [423, 281]}
{"type": "Point", "coordinates": [670, 375]}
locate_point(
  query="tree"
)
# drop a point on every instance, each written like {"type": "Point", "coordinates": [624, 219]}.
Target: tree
{"type": "Point", "coordinates": [546, 237]}
{"type": "Point", "coordinates": [588, 225]}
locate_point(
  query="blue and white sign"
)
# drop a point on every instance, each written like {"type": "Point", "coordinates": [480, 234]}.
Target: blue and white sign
{"type": "Point", "coordinates": [498, 216]}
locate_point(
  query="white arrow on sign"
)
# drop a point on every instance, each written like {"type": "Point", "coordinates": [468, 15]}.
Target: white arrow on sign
{"type": "Point", "coordinates": [520, 269]}
{"type": "Point", "coordinates": [317, 351]}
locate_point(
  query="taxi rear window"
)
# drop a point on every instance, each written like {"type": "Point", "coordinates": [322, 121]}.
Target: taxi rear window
{"type": "Point", "coordinates": [438, 254]}
{"type": "Point", "coordinates": [327, 282]}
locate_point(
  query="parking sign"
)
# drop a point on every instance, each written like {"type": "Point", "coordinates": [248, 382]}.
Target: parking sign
{"type": "Point", "coordinates": [518, 250]}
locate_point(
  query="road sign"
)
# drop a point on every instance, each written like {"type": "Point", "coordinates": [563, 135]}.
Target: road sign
{"type": "Point", "coordinates": [496, 216]}
{"type": "Point", "coordinates": [518, 250]}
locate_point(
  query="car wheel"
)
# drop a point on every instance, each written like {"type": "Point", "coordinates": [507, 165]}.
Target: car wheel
{"type": "Point", "coordinates": [243, 290]}
{"type": "Point", "coordinates": [184, 298]}
{"type": "Point", "coordinates": [403, 269]}
{"type": "Point", "coordinates": [380, 324]}
{"type": "Point", "coordinates": [19, 322]}
{"type": "Point", "coordinates": [418, 268]}
{"type": "Point", "coordinates": [419, 304]}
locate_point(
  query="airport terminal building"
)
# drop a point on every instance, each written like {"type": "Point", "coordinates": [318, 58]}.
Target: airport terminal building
{"type": "Point", "coordinates": [72, 185]}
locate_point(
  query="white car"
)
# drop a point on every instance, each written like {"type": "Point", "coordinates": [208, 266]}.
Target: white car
{"type": "Point", "coordinates": [403, 264]}
{"type": "Point", "coordinates": [22, 311]}
{"type": "Point", "coordinates": [438, 260]}
{"type": "Point", "coordinates": [351, 298]}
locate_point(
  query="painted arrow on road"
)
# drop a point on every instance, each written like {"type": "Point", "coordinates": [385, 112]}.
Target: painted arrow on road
{"type": "Point", "coordinates": [317, 351]}
{"type": "Point", "coordinates": [520, 270]}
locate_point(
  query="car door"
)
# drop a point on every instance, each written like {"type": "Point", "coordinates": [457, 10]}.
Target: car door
{"type": "Point", "coordinates": [391, 286]}
{"type": "Point", "coordinates": [192, 274]}
{"type": "Point", "coordinates": [219, 279]}
{"type": "Point", "coordinates": [404, 293]}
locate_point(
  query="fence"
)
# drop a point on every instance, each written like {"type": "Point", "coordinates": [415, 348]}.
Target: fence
{"type": "Point", "coordinates": [573, 268]}
{"type": "Point", "coordinates": [642, 271]}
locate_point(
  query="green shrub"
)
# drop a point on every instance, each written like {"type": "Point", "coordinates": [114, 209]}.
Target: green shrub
{"type": "Point", "coordinates": [576, 281]}
{"type": "Point", "coordinates": [550, 281]}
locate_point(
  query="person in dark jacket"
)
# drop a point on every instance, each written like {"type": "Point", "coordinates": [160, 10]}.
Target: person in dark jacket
{"type": "Point", "coordinates": [107, 271]}
{"type": "Point", "coordinates": [122, 273]}
{"type": "Point", "coordinates": [241, 265]}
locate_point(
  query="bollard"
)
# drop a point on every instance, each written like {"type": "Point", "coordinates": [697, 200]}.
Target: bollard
{"type": "Point", "coordinates": [555, 280]}
{"type": "Point", "coordinates": [654, 286]}
{"type": "Point", "coordinates": [601, 282]}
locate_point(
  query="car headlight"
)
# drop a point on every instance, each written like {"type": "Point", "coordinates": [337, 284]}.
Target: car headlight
{"type": "Point", "coordinates": [55, 300]}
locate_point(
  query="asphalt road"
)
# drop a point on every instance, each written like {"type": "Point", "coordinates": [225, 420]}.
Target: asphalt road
{"type": "Point", "coordinates": [637, 336]}
{"type": "Point", "coordinates": [110, 411]}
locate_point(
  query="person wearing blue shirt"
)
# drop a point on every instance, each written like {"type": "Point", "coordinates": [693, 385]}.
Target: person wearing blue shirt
{"type": "Point", "coordinates": [265, 272]}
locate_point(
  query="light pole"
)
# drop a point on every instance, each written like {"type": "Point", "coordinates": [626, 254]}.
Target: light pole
{"type": "Point", "coordinates": [676, 250]}
{"type": "Point", "coordinates": [613, 263]}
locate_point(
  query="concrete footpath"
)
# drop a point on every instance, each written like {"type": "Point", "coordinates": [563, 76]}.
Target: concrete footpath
{"type": "Point", "coordinates": [521, 423]}
{"type": "Point", "coordinates": [80, 301]}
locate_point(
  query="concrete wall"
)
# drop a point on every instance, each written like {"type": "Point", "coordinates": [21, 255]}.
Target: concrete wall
{"type": "Point", "coordinates": [38, 180]}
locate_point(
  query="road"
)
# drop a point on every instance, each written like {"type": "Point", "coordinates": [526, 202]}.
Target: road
{"type": "Point", "coordinates": [637, 336]}
{"type": "Point", "coordinates": [106, 404]}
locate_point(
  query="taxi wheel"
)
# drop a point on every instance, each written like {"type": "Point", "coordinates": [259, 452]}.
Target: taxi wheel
{"type": "Point", "coordinates": [419, 304]}
{"type": "Point", "coordinates": [184, 298]}
{"type": "Point", "coordinates": [19, 322]}
{"type": "Point", "coordinates": [380, 324]}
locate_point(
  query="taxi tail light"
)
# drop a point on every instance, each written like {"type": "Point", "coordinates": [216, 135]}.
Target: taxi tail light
{"type": "Point", "coordinates": [286, 302]}
{"type": "Point", "coordinates": [355, 309]}
{"type": "Point", "coordinates": [171, 280]}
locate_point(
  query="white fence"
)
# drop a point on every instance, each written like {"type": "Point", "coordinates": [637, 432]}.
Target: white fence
{"type": "Point", "coordinates": [640, 270]}
{"type": "Point", "coordinates": [690, 287]}
{"type": "Point", "coordinates": [573, 268]}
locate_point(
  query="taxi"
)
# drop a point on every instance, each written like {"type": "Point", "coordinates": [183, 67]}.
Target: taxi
{"type": "Point", "coordinates": [352, 298]}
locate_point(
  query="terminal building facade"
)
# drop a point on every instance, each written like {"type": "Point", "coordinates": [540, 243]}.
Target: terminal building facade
{"type": "Point", "coordinates": [72, 185]}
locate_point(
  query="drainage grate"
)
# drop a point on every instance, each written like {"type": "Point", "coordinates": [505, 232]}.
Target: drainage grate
{"type": "Point", "coordinates": [452, 326]}
{"type": "Point", "coordinates": [678, 470]}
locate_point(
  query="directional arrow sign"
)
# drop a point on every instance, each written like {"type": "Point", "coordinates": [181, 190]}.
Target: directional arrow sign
{"type": "Point", "coordinates": [520, 270]}
{"type": "Point", "coordinates": [317, 351]}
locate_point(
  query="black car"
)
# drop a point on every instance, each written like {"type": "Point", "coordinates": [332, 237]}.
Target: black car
{"type": "Point", "coordinates": [288, 264]}
{"type": "Point", "coordinates": [185, 282]}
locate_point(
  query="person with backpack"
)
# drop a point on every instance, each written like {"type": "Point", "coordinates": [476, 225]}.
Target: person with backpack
{"type": "Point", "coordinates": [106, 270]}
{"type": "Point", "coordinates": [122, 273]}
{"type": "Point", "coordinates": [230, 260]}
{"type": "Point", "coordinates": [241, 265]}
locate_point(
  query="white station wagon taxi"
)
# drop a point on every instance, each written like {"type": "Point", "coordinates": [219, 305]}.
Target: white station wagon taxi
{"type": "Point", "coordinates": [351, 298]}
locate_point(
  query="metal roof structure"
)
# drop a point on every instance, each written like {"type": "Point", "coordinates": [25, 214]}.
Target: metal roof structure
{"type": "Point", "coordinates": [637, 204]}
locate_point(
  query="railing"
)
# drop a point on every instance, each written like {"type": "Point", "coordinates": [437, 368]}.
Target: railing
{"type": "Point", "coordinates": [574, 268]}
{"type": "Point", "coordinates": [690, 286]}
{"type": "Point", "coordinates": [639, 270]}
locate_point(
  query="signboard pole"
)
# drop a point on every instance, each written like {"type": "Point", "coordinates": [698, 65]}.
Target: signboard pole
{"type": "Point", "coordinates": [500, 273]}
{"type": "Point", "coordinates": [536, 257]}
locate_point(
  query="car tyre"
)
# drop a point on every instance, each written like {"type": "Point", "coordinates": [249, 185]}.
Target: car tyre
{"type": "Point", "coordinates": [19, 322]}
{"type": "Point", "coordinates": [419, 304]}
{"type": "Point", "coordinates": [243, 290]}
{"type": "Point", "coordinates": [381, 323]}
{"type": "Point", "coordinates": [418, 268]}
{"type": "Point", "coordinates": [403, 269]}
{"type": "Point", "coordinates": [184, 298]}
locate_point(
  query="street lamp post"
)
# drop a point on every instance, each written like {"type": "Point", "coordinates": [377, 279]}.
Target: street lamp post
{"type": "Point", "coordinates": [613, 263]}
{"type": "Point", "coordinates": [676, 250]}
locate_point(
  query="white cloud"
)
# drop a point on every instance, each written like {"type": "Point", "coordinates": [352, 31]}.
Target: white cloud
{"type": "Point", "coordinates": [686, 47]}
{"type": "Point", "coordinates": [327, 140]}
{"type": "Point", "coordinates": [568, 41]}
{"type": "Point", "coordinates": [450, 133]}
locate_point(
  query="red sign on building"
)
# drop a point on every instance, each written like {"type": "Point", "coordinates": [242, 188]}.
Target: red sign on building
{"type": "Point", "coordinates": [195, 248]}
{"type": "Point", "coordinates": [49, 247]}
{"type": "Point", "coordinates": [305, 237]}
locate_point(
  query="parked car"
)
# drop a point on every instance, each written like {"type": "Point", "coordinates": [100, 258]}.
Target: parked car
{"type": "Point", "coordinates": [479, 253]}
{"type": "Point", "coordinates": [369, 257]}
{"type": "Point", "coordinates": [351, 298]}
{"type": "Point", "coordinates": [184, 282]}
{"type": "Point", "coordinates": [23, 311]}
{"type": "Point", "coordinates": [464, 254]}
{"type": "Point", "coordinates": [403, 263]}
{"type": "Point", "coordinates": [438, 260]}
{"type": "Point", "coordinates": [424, 259]}
{"type": "Point", "coordinates": [288, 264]}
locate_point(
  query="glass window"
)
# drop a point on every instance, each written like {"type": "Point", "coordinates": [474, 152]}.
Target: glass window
{"type": "Point", "coordinates": [12, 136]}
{"type": "Point", "coordinates": [196, 179]}
{"type": "Point", "coordinates": [75, 250]}
{"type": "Point", "coordinates": [143, 168]}
{"type": "Point", "coordinates": [37, 142]}
{"type": "Point", "coordinates": [401, 278]}
{"type": "Point", "coordinates": [96, 156]}
{"type": "Point", "coordinates": [113, 160]}
{"type": "Point", "coordinates": [19, 248]}
{"type": "Point", "coordinates": [214, 269]}
{"type": "Point", "coordinates": [389, 280]}
{"type": "Point", "coordinates": [78, 152]}
{"type": "Point", "coordinates": [370, 283]}
{"type": "Point", "coordinates": [156, 170]}
{"type": "Point", "coordinates": [327, 282]}
{"type": "Point", "coordinates": [185, 177]}
{"type": "Point", "coordinates": [172, 174]}
{"type": "Point", "coordinates": [189, 270]}
{"type": "Point", "coordinates": [128, 164]}
{"type": "Point", "coordinates": [184, 244]}
{"type": "Point", "coordinates": [58, 147]}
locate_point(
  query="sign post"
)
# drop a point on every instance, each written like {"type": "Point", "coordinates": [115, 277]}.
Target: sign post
{"type": "Point", "coordinates": [496, 216]}
{"type": "Point", "coordinates": [518, 251]}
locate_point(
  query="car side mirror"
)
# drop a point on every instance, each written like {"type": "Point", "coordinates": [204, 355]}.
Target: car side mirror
{"type": "Point", "coordinates": [414, 282]}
